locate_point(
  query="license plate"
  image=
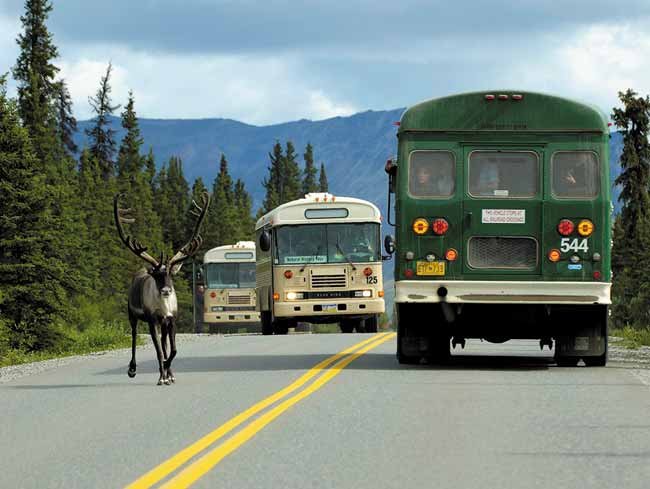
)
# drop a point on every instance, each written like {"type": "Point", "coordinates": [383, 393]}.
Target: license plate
{"type": "Point", "coordinates": [430, 268]}
{"type": "Point", "coordinates": [329, 308]}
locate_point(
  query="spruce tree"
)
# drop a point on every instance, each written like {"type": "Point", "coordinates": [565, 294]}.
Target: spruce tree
{"type": "Point", "coordinates": [245, 228]}
{"type": "Point", "coordinates": [309, 183]}
{"type": "Point", "coordinates": [32, 295]}
{"type": "Point", "coordinates": [322, 180]}
{"type": "Point", "coordinates": [221, 222]}
{"type": "Point", "coordinates": [101, 137]}
{"type": "Point", "coordinates": [34, 70]}
{"type": "Point", "coordinates": [66, 124]}
{"type": "Point", "coordinates": [631, 251]}
{"type": "Point", "coordinates": [292, 187]}
{"type": "Point", "coordinates": [273, 184]}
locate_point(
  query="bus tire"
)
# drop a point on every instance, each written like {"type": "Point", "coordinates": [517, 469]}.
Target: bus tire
{"type": "Point", "coordinates": [404, 324]}
{"type": "Point", "coordinates": [439, 349]}
{"type": "Point", "coordinates": [280, 326]}
{"type": "Point", "coordinates": [359, 326]}
{"type": "Point", "coordinates": [267, 324]}
{"type": "Point", "coordinates": [370, 324]}
{"type": "Point", "coordinates": [346, 326]}
{"type": "Point", "coordinates": [602, 331]}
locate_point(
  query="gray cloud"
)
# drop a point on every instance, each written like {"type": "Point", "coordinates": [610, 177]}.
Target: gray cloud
{"type": "Point", "coordinates": [240, 26]}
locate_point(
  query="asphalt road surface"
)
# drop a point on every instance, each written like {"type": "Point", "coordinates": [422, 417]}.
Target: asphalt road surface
{"type": "Point", "coordinates": [253, 412]}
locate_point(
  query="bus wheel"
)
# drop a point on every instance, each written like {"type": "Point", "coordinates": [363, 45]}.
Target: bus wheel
{"type": "Point", "coordinates": [371, 324]}
{"type": "Point", "coordinates": [601, 329]}
{"type": "Point", "coordinates": [359, 326]}
{"type": "Point", "coordinates": [439, 351]}
{"type": "Point", "coordinates": [406, 353]}
{"type": "Point", "coordinates": [267, 324]}
{"type": "Point", "coordinates": [346, 326]}
{"type": "Point", "coordinates": [280, 327]}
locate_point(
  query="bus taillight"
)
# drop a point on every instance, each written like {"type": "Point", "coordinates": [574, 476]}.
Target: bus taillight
{"type": "Point", "coordinates": [597, 275]}
{"type": "Point", "coordinates": [451, 254]}
{"type": "Point", "coordinates": [367, 271]}
{"type": "Point", "coordinates": [420, 226]}
{"type": "Point", "coordinates": [554, 255]}
{"type": "Point", "coordinates": [288, 274]}
{"type": "Point", "coordinates": [440, 226]}
{"type": "Point", "coordinates": [585, 228]}
{"type": "Point", "coordinates": [565, 227]}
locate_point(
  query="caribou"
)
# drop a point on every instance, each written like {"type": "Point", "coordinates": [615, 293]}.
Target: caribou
{"type": "Point", "coordinates": [152, 298]}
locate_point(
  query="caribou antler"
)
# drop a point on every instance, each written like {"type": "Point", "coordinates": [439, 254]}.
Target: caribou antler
{"type": "Point", "coordinates": [195, 241]}
{"type": "Point", "coordinates": [121, 216]}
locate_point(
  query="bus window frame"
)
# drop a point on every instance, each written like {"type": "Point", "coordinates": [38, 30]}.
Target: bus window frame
{"type": "Point", "coordinates": [430, 197]}
{"type": "Point", "coordinates": [538, 192]}
{"type": "Point", "coordinates": [598, 179]}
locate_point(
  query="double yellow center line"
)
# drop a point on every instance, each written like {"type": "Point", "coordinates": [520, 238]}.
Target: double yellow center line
{"type": "Point", "coordinates": [195, 470]}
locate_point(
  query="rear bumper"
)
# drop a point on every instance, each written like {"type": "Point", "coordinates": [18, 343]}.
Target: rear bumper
{"type": "Point", "coordinates": [306, 308]}
{"type": "Point", "coordinates": [498, 292]}
{"type": "Point", "coordinates": [232, 317]}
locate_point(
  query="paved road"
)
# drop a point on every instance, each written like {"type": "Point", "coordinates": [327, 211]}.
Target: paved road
{"type": "Point", "coordinates": [497, 417]}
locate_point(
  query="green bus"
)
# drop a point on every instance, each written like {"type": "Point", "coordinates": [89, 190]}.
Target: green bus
{"type": "Point", "coordinates": [502, 211]}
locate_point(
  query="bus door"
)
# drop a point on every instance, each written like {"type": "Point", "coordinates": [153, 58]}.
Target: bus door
{"type": "Point", "coordinates": [502, 211]}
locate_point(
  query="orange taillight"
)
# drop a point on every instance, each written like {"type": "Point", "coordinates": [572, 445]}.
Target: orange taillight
{"type": "Point", "coordinates": [276, 296]}
{"type": "Point", "coordinates": [585, 228]}
{"type": "Point", "coordinates": [554, 255]}
{"type": "Point", "coordinates": [420, 226]}
{"type": "Point", "coordinates": [451, 254]}
{"type": "Point", "coordinates": [380, 293]}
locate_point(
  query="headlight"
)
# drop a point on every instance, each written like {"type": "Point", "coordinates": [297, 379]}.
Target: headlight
{"type": "Point", "coordinates": [363, 293]}
{"type": "Point", "coordinates": [292, 296]}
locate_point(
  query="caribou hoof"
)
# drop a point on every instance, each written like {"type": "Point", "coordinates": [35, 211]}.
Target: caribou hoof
{"type": "Point", "coordinates": [160, 381]}
{"type": "Point", "coordinates": [131, 373]}
{"type": "Point", "coordinates": [166, 381]}
{"type": "Point", "coordinates": [172, 379]}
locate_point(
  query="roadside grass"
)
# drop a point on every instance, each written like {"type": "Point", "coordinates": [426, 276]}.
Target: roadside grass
{"type": "Point", "coordinates": [631, 338]}
{"type": "Point", "coordinates": [325, 328]}
{"type": "Point", "coordinates": [98, 336]}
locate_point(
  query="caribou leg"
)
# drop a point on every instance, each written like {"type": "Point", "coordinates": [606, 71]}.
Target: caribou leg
{"type": "Point", "coordinates": [171, 325]}
{"type": "Point", "coordinates": [156, 344]}
{"type": "Point", "coordinates": [164, 330]}
{"type": "Point", "coordinates": [134, 331]}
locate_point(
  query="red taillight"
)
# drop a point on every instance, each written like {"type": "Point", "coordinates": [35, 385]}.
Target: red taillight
{"type": "Point", "coordinates": [517, 96]}
{"type": "Point", "coordinates": [288, 274]}
{"type": "Point", "coordinates": [503, 96]}
{"type": "Point", "coordinates": [565, 227]}
{"type": "Point", "coordinates": [597, 275]}
{"type": "Point", "coordinates": [367, 271]}
{"type": "Point", "coordinates": [408, 273]}
{"type": "Point", "coordinates": [440, 226]}
{"type": "Point", "coordinates": [213, 295]}
{"type": "Point", "coordinates": [489, 97]}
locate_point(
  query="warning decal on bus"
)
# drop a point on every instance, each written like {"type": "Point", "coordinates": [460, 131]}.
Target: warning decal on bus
{"type": "Point", "coordinates": [503, 216]}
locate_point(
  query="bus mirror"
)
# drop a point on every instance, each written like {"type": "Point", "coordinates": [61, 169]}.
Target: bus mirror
{"type": "Point", "coordinates": [265, 240]}
{"type": "Point", "coordinates": [389, 244]}
{"type": "Point", "coordinates": [391, 169]}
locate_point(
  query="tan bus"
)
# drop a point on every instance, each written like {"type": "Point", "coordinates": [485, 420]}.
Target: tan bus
{"type": "Point", "coordinates": [229, 296]}
{"type": "Point", "coordinates": [319, 261]}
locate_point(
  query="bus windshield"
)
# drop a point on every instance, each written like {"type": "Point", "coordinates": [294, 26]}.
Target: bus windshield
{"type": "Point", "coordinates": [327, 243]}
{"type": "Point", "coordinates": [230, 275]}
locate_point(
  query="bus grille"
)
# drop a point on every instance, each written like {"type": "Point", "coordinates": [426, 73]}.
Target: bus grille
{"type": "Point", "coordinates": [501, 252]}
{"type": "Point", "coordinates": [239, 299]}
{"type": "Point", "coordinates": [322, 281]}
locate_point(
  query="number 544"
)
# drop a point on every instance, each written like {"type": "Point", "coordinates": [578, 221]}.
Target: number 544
{"type": "Point", "coordinates": [574, 244]}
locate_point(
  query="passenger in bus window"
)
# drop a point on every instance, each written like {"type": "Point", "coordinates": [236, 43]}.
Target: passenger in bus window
{"type": "Point", "coordinates": [444, 180]}
{"type": "Point", "coordinates": [488, 181]}
{"type": "Point", "coordinates": [422, 185]}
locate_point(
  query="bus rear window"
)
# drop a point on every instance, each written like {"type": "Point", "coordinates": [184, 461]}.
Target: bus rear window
{"type": "Point", "coordinates": [432, 174]}
{"type": "Point", "coordinates": [575, 174]}
{"type": "Point", "coordinates": [503, 174]}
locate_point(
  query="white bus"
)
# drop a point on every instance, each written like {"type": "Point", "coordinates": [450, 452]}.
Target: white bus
{"type": "Point", "coordinates": [229, 295]}
{"type": "Point", "coordinates": [319, 261]}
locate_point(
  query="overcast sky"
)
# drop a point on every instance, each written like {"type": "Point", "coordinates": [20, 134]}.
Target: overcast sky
{"type": "Point", "coordinates": [269, 61]}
